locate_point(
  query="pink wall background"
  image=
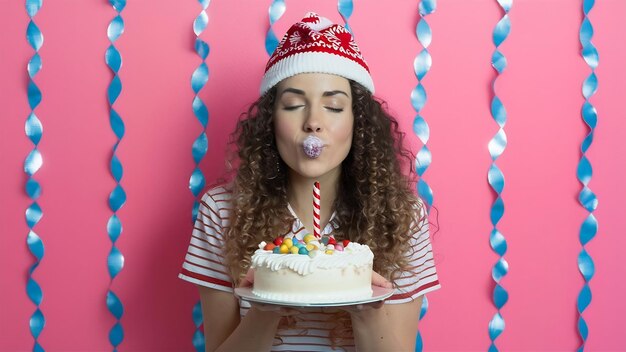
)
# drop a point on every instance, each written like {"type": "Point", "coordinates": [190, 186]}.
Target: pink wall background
{"type": "Point", "coordinates": [541, 90]}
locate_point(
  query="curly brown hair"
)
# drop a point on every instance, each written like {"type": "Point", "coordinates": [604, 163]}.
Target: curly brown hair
{"type": "Point", "coordinates": [376, 205]}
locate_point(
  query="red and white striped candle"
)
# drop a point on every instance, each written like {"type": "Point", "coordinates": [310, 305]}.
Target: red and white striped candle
{"type": "Point", "coordinates": [316, 210]}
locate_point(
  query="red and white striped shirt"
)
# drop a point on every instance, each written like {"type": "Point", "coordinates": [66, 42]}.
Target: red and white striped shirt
{"type": "Point", "coordinates": [204, 265]}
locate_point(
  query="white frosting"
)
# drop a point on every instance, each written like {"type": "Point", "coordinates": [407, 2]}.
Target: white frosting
{"type": "Point", "coordinates": [339, 277]}
{"type": "Point", "coordinates": [354, 254]}
{"type": "Point", "coordinates": [322, 286]}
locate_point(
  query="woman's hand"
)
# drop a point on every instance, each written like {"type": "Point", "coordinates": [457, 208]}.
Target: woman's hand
{"type": "Point", "coordinates": [248, 280]}
{"type": "Point", "coordinates": [276, 310]}
{"type": "Point", "coordinates": [379, 280]}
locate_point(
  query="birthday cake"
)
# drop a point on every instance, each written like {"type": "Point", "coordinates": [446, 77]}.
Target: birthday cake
{"type": "Point", "coordinates": [312, 270]}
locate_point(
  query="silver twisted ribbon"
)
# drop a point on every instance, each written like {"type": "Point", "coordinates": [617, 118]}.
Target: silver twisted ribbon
{"type": "Point", "coordinates": [345, 8]}
{"type": "Point", "coordinates": [200, 146]}
{"type": "Point", "coordinates": [496, 179]}
{"type": "Point", "coordinates": [587, 198]}
{"type": "Point", "coordinates": [276, 11]}
{"type": "Point", "coordinates": [421, 66]}
{"type": "Point", "coordinates": [117, 198]}
{"type": "Point", "coordinates": [32, 164]}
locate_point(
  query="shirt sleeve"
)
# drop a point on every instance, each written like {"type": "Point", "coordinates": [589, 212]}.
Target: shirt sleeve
{"type": "Point", "coordinates": [204, 263]}
{"type": "Point", "coordinates": [420, 277]}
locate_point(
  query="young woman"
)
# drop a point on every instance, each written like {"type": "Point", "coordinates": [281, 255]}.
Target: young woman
{"type": "Point", "coordinates": [316, 84]}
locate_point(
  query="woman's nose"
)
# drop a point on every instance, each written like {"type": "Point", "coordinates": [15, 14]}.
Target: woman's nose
{"type": "Point", "coordinates": [313, 122]}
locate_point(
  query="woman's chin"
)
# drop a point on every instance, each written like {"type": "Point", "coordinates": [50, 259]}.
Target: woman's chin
{"type": "Point", "coordinates": [313, 171]}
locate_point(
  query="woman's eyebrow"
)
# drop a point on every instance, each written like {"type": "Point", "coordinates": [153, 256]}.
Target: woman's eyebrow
{"type": "Point", "coordinates": [292, 90]}
{"type": "Point", "coordinates": [325, 94]}
{"type": "Point", "coordinates": [334, 92]}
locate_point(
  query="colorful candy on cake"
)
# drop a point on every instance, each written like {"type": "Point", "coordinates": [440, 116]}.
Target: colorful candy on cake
{"type": "Point", "coordinates": [312, 270]}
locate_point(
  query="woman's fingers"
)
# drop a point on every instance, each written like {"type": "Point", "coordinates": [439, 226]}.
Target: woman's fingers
{"type": "Point", "coordinates": [378, 280]}
{"type": "Point", "coordinates": [276, 309]}
{"type": "Point", "coordinates": [371, 305]}
{"type": "Point", "coordinates": [355, 309]}
{"type": "Point", "coordinates": [248, 280]}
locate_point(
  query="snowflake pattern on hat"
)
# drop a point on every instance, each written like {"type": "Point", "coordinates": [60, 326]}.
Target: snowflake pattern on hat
{"type": "Point", "coordinates": [316, 45]}
{"type": "Point", "coordinates": [333, 39]}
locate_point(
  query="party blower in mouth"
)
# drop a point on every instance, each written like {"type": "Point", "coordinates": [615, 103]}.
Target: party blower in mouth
{"type": "Point", "coordinates": [312, 146]}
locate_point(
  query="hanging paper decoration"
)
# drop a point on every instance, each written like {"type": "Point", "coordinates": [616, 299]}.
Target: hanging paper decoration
{"type": "Point", "coordinates": [421, 66]}
{"type": "Point", "coordinates": [496, 178]}
{"type": "Point", "coordinates": [32, 164]}
{"type": "Point", "coordinates": [276, 11]}
{"type": "Point", "coordinates": [198, 81]}
{"type": "Point", "coordinates": [587, 198]}
{"type": "Point", "coordinates": [345, 8]}
{"type": "Point", "coordinates": [200, 146]}
{"type": "Point", "coordinates": [117, 198]}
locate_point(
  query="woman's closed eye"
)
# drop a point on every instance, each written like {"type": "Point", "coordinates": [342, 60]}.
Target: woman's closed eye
{"type": "Point", "coordinates": [295, 107]}
{"type": "Point", "coordinates": [334, 109]}
{"type": "Point", "coordinates": [292, 107]}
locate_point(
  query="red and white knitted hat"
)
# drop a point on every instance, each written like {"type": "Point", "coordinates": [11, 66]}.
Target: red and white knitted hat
{"type": "Point", "coordinates": [316, 45]}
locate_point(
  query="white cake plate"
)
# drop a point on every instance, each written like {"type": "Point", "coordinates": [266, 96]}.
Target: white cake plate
{"type": "Point", "coordinates": [378, 294]}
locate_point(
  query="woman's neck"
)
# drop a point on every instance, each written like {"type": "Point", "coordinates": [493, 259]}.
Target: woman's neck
{"type": "Point", "coordinates": [300, 196]}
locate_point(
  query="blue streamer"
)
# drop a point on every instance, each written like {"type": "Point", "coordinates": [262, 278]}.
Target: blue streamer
{"type": "Point", "coordinates": [199, 79]}
{"type": "Point", "coordinates": [421, 66]}
{"type": "Point", "coordinates": [587, 198]}
{"type": "Point", "coordinates": [32, 163]}
{"type": "Point", "coordinates": [200, 146]}
{"type": "Point", "coordinates": [276, 11]}
{"type": "Point", "coordinates": [345, 8]}
{"type": "Point", "coordinates": [497, 145]}
{"type": "Point", "coordinates": [198, 335]}
{"type": "Point", "coordinates": [117, 198]}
